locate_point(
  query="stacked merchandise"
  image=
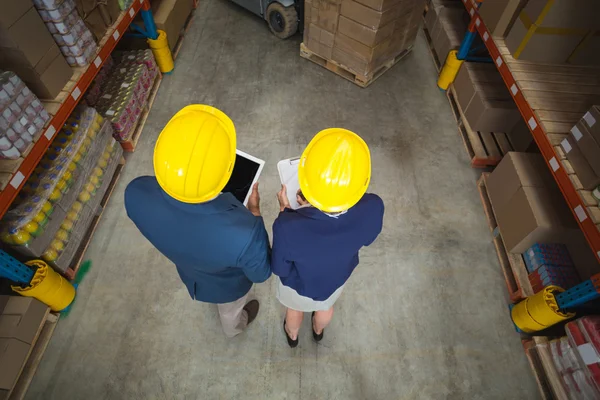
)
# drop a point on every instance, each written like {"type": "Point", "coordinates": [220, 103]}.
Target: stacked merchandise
{"type": "Point", "coordinates": [582, 148]}
{"type": "Point", "coordinates": [75, 40]}
{"type": "Point", "coordinates": [531, 27]}
{"type": "Point", "coordinates": [584, 339]}
{"type": "Point", "coordinates": [126, 91]}
{"type": "Point", "coordinates": [59, 201]}
{"type": "Point", "coordinates": [22, 116]}
{"type": "Point", "coordinates": [550, 264]}
{"type": "Point", "coordinates": [95, 90]}
{"type": "Point", "coordinates": [446, 21]}
{"type": "Point", "coordinates": [485, 101]}
{"type": "Point", "coordinates": [573, 373]}
{"type": "Point", "coordinates": [361, 35]}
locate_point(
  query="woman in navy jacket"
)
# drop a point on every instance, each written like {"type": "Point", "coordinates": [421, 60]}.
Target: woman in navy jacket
{"type": "Point", "coordinates": [315, 247]}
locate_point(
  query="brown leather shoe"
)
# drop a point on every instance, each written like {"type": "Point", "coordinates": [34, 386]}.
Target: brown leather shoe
{"type": "Point", "coordinates": [252, 309]}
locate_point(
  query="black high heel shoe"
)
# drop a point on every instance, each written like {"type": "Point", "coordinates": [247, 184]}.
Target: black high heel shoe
{"type": "Point", "coordinates": [315, 336]}
{"type": "Point", "coordinates": [292, 343]}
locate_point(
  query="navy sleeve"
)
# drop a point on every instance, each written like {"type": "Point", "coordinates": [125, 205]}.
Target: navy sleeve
{"type": "Point", "coordinates": [374, 218]}
{"type": "Point", "coordinates": [282, 266]}
{"type": "Point", "coordinates": [255, 259]}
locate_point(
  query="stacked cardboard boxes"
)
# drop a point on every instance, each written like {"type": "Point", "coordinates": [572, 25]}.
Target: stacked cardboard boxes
{"type": "Point", "coordinates": [446, 22]}
{"type": "Point", "coordinates": [28, 49]}
{"type": "Point", "coordinates": [547, 31]}
{"type": "Point", "coordinates": [484, 99]}
{"type": "Point", "coordinates": [361, 35]}
{"type": "Point", "coordinates": [20, 319]}
{"type": "Point", "coordinates": [528, 206]}
{"type": "Point", "coordinates": [98, 15]}
{"type": "Point", "coordinates": [582, 148]}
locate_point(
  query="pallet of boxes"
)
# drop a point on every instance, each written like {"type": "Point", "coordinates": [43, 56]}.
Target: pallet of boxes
{"type": "Point", "coordinates": [360, 40]}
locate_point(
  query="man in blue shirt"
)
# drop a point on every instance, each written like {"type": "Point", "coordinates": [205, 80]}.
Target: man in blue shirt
{"type": "Point", "coordinates": [315, 247]}
{"type": "Point", "coordinates": [219, 247]}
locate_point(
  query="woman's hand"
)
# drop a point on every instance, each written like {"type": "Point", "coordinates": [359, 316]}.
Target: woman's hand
{"type": "Point", "coordinates": [300, 198]}
{"type": "Point", "coordinates": [283, 200]}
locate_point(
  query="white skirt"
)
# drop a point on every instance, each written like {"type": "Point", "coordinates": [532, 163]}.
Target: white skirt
{"type": "Point", "coordinates": [291, 299]}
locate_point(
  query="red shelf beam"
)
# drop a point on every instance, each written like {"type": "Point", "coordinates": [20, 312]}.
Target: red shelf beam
{"type": "Point", "coordinates": [576, 205]}
{"type": "Point", "coordinates": [66, 108]}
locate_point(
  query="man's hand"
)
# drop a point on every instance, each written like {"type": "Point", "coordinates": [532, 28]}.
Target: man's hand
{"type": "Point", "coordinates": [254, 201]}
{"type": "Point", "coordinates": [300, 198]}
{"type": "Point", "coordinates": [283, 200]}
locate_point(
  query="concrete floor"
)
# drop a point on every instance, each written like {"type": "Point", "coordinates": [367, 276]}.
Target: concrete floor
{"type": "Point", "coordinates": [423, 317]}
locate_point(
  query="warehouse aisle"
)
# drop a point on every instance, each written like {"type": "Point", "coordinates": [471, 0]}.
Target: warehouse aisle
{"type": "Point", "coordinates": [423, 317]}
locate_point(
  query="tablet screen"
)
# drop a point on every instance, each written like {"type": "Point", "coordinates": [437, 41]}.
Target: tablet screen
{"type": "Point", "coordinates": [240, 183]}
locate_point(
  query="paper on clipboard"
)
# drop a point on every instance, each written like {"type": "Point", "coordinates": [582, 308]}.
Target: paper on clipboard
{"type": "Point", "coordinates": [288, 174]}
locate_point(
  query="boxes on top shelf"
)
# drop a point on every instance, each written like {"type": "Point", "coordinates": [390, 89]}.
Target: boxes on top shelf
{"type": "Point", "coordinates": [500, 15]}
{"type": "Point", "coordinates": [28, 49]}
{"type": "Point", "coordinates": [98, 16]}
{"type": "Point", "coordinates": [557, 31]}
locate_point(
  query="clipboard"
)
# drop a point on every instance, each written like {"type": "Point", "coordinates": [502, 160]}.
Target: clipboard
{"type": "Point", "coordinates": [288, 175]}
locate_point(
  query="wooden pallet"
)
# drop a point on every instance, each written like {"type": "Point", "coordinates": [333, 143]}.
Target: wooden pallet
{"type": "Point", "coordinates": [513, 265]}
{"type": "Point", "coordinates": [71, 272]}
{"type": "Point", "coordinates": [434, 57]}
{"type": "Point", "coordinates": [485, 149]}
{"type": "Point", "coordinates": [36, 352]}
{"type": "Point", "coordinates": [186, 26]}
{"type": "Point", "coordinates": [346, 72]}
{"type": "Point", "coordinates": [130, 144]}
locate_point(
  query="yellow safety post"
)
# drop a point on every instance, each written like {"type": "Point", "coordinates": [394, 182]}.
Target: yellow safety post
{"type": "Point", "coordinates": [449, 70]}
{"type": "Point", "coordinates": [48, 287]}
{"type": "Point", "coordinates": [539, 311]}
{"type": "Point", "coordinates": [162, 52]}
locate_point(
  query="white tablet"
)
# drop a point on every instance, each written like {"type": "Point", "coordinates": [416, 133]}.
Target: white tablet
{"type": "Point", "coordinates": [288, 174]}
{"type": "Point", "coordinates": [246, 172]}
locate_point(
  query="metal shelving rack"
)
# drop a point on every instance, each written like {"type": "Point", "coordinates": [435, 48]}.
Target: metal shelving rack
{"type": "Point", "coordinates": [548, 124]}
{"type": "Point", "coordinates": [69, 98]}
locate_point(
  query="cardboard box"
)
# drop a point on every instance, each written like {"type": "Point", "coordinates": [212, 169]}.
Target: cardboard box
{"type": "Point", "coordinates": [98, 15]}
{"type": "Point", "coordinates": [379, 5]}
{"type": "Point", "coordinates": [590, 148]}
{"type": "Point", "coordinates": [21, 317]}
{"type": "Point", "coordinates": [360, 50]}
{"type": "Point", "coordinates": [448, 31]}
{"type": "Point", "coordinates": [535, 48]}
{"type": "Point", "coordinates": [484, 99]}
{"type": "Point", "coordinates": [170, 16]}
{"type": "Point", "coordinates": [580, 14]}
{"type": "Point", "coordinates": [13, 354]}
{"type": "Point", "coordinates": [534, 215]}
{"type": "Point", "coordinates": [364, 34]}
{"type": "Point", "coordinates": [47, 78]}
{"type": "Point", "coordinates": [325, 14]}
{"type": "Point", "coordinates": [591, 119]}
{"type": "Point", "coordinates": [589, 54]}
{"type": "Point", "coordinates": [491, 115]}
{"type": "Point", "coordinates": [28, 35]}
{"type": "Point", "coordinates": [28, 49]}
{"type": "Point", "coordinates": [319, 41]}
{"type": "Point", "coordinates": [521, 138]}
{"type": "Point", "coordinates": [588, 178]}
{"type": "Point", "coordinates": [499, 15]}
{"type": "Point", "coordinates": [367, 16]}
{"type": "Point", "coordinates": [517, 170]}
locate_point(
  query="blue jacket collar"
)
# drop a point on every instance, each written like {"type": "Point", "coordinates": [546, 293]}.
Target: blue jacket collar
{"type": "Point", "coordinates": [224, 202]}
{"type": "Point", "coordinates": [311, 212]}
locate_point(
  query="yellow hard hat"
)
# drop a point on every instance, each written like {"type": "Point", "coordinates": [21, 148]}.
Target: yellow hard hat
{"type": "Point", "coordinates": [195, 153]}
{"type": "Point", "coordinates": [335, 170]}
